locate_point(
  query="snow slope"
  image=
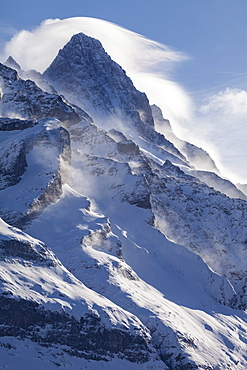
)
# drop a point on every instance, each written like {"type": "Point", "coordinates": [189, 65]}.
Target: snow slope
{"type": "Point", "coordinates": [153, 280]}
{"type": "Point", "coordinates": [31, 273]}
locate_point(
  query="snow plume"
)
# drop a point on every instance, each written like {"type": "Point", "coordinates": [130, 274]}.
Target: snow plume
{"type": "Point", "coordinates": [218, 125]}
{"type": "Point", "coordinates": [147, 63]}
{"type": "Point", "coordinates": [36, 49]}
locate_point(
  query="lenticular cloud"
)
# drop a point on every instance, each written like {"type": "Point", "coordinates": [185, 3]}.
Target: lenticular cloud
{"type": "Point", "coordinates": [36, 49]}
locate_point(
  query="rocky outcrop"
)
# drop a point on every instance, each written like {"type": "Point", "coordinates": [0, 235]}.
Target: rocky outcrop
{"type": "Point", "coordinates": [24, 250]}
{"type": "Point", "coordinates": [13, 164]}
{"type": "Point", "coordinates": [23, 98]}
{"type": "Point", "coordinates": [35, 161]}
{"type": "Point", "coordinates": [86, 338]}
{"type": "Point", "coordinates": [11, 124]}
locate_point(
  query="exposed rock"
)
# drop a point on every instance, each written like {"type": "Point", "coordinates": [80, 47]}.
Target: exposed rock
{"type": "Point", "coordinates": [219, 184]}
{"type": "Point", "coordinates": [140, 195]}
{"type": "Point", "coordinates": [86, 75]}
{"type": "Point", "coordinates": [179, 203]}
{"type": "Point", "coordinates": [25, 99]}
{"type": "Point", "coordinates": [24, 153]}
{"type": "Point", "coordinates": [11, 124]}
{"type": "Point", "coordinates": [13, 164]}
{"type": "Point", "coordinates": [128, 147]}
{"type": "Point", "coordinates": [25, 250]}
{"type": "Point", "coordinates": [86, 338]}
{"type": "Point", "coordinates": [116, 135]}
{"type": "Point", "coordinates": [10, 62]}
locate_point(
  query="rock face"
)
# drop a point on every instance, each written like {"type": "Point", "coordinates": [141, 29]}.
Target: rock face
{"type": "Point", "coordinates": [85, 338]}
{"type": "Point", "coordinates": [25, 99]}
{"type": "Point", "coordinates": [142, 262]}
{"type": "Point", "coordinates": [33, 168]}
{"type": "Point", "coordinates": [86, 75]}
{"type": "Point", "coordinates": [11, 124]}
{"type": "Point", "coordinates": [13, 164]}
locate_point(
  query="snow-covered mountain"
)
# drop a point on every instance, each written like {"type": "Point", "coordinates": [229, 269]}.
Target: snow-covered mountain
{"type": "Point", "coordinates": [120, 247]}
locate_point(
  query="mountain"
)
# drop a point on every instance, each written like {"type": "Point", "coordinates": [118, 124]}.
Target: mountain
{"type": "Point", "coordinates": [120, 247]}
{"type": "Point", "coordinates": [102, 88]}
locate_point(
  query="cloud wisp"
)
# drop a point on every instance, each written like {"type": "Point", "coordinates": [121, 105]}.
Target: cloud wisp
{"type": "Point", "coordinates": [223, 121]}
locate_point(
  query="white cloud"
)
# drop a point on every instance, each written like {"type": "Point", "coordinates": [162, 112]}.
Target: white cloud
{"type": "Point", "coordinates": [230, 102]}
{"type": "Point", "coordinates": [221, 122]}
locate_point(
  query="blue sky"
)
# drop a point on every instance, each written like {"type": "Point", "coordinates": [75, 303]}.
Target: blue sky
{"type": "Point", "coordinates": [208, 90]}
{"type": "Point", "coordinates": [212, 32]}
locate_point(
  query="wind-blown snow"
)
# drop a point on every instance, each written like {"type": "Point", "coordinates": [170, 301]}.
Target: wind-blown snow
{"type": "Point", "coordinates": [124, 46]}
{"type": "Point", "coordinates": [149, 64]}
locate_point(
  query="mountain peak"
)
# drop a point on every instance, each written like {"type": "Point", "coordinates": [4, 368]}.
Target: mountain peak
{"type": "Point", "coordinates": [10, 62]}
{"type": "Point", "coordinates": [87, 76]}
{"type": "Point", "coordinates": [86, 41]}
{"type": "Point", "coordinates": [83, 48]}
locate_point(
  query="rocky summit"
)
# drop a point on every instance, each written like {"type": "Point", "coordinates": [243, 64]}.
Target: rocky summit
{"type": "Point", "coordinates": [120, 247]}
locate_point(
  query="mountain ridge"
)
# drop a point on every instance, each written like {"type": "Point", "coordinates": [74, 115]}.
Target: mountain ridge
{"type": "Point", "coordinates": [157, 254]}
